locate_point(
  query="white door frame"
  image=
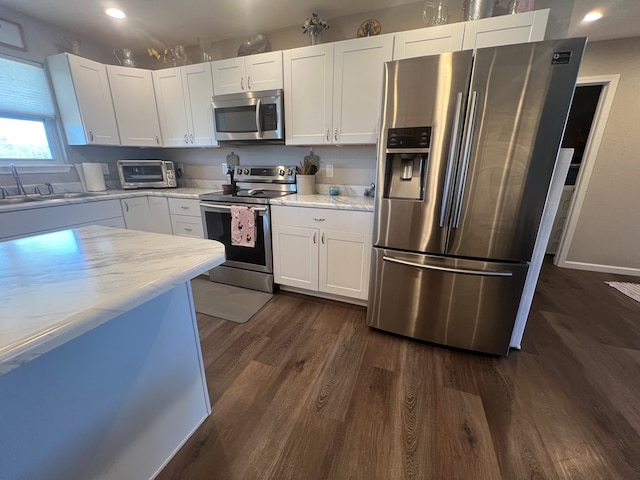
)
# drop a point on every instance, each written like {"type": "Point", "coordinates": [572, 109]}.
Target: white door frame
{"type": "Point", "coordinates": [609, 84]}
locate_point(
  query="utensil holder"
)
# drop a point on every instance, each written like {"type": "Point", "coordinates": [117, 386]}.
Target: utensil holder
{"type": "Point", "coordinates": [306, 184]}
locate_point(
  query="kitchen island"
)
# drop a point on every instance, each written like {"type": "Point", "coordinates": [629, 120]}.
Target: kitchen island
{"type": "Point", "coordinates": [101, 373]}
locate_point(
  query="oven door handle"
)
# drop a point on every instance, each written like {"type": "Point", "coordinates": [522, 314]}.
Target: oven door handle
{"type": "Point", "coordinates": [228, 207]}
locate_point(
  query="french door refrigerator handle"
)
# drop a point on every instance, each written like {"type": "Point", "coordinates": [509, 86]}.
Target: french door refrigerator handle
{"type": "Point", "coordinates": [453, 155]}
{"type": "Point", "coordinates": [258, 117]}
{"type": "Point", "coordinates": [470, 125]}
{"type": "Point", "coordinates": [483, 273]}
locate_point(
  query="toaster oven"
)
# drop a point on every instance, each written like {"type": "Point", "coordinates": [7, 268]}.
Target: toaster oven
{"type": "Point", "coordinates": [147, 174]}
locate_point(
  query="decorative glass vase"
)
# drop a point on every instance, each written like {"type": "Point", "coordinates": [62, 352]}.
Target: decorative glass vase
{"type": "Point", "coordinates": [435, 12]}
{"type": "Point", "coordinates": [315, 34]}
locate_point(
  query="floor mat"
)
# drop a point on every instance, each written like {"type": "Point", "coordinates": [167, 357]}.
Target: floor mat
{"type": "Point", "coordinates": [629, 289]}
{"type": "Point", "coordinates": [226, 301]}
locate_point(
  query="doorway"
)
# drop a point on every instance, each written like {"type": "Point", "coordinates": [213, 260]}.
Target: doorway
{"type": "Point", "coordinates": [605, 90]}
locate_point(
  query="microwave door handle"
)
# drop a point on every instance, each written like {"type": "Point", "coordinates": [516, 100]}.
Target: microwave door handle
{"type": "Point", "coordinates": [258, 118]}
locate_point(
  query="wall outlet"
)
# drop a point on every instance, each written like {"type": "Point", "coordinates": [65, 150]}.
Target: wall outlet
{"type": "Point", "coordinates": [105, 168]}
{"type": "Point", "coordinates": [225, 167]}
{"type": "Point", "coordinates": [329, 170]}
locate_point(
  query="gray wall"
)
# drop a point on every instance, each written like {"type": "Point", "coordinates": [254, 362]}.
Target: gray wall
{"type": "Point", "coordinates": [608, 229]}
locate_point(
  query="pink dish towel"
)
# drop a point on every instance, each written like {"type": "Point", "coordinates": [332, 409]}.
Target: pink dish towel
{"type": "Point", "coordinates": [243, 226]}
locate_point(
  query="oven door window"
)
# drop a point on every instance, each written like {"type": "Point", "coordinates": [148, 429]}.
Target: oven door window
{"type": "Point", "coordinates": [218, 226]}
{"type": "Point", "coordinates": [142, 173]}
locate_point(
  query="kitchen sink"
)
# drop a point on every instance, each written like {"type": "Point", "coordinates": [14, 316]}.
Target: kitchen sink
{"type": "Point", "coordinates": [41, 198]}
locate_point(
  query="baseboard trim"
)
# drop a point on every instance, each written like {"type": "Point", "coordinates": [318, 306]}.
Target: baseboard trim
{"type": "Point", "coordinates": [594, 267]}
{"type": "Point", "coordinates": [327, 296]}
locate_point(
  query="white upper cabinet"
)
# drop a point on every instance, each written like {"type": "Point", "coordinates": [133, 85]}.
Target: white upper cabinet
{"type": "Point", "coordinates": [84, 100]}
{"type": "Point", "coordinates": [506, 30]}
{"type": "Point", "coordinates": [357, 88]}
{"type": "Point", "coordinates": [251, 73]}
{"type": "Point", "coordinates": [183, 97]}
{"type": "Point", "coordinates": [308, 90]}
{"type": "Point", "coordinates": [333, 92]}
{"type": "Point", "coordinates": [135, 106]}
{"type": "Point", "coordinates": [428, 41]}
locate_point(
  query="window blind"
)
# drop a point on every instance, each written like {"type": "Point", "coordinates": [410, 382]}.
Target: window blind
{"type": "Point", "coordinates": [24, 89]}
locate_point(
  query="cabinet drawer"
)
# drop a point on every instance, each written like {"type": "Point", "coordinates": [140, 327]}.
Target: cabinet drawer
{"type": "Point", "coordinates": [184, 206]}
{"type": "Point", "coordinates": [338, 220]}
{"type": "Point", "coordinates": [187, 226]}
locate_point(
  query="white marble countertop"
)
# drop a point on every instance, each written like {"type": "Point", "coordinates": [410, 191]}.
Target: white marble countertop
{"type": "Point", "coordinates": [192, 193]}
{"type": "Point", "coordinates": [338, 202]}
{"type": "Point", "coordinates": [57, 286]}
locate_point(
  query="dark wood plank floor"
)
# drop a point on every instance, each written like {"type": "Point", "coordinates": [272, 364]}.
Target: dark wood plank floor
{"type": "Point", "coordinates": [305, 390]}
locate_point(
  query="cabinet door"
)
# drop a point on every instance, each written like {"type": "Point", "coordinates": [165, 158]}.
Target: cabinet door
{"type": "Point", "coordinates": [264, 71]}
{"type": "Point", "coordinates": [172, 108]}
{"type": "Point", "coordinates": [228, 76]}
{"type": "Point", "coordinates": [159, 218]}
{"type": "Point", "coordinates": [506, 30]}
{"type": "Point", "coordinates": [135, 105]}
{"type": "Point", "coordinates": [428, 41]}
{"type": "Point", "coordinates": [357, 88]}
{"type": "Point", "coordinates": [136, 213]}
{"type": "Point", "coordinates": [198, 92]}
{"type": "Point", "coordinates": [308, 86]}
{"type": "Point", "coordinates": [295, 256]}
{"type": "Point", "coordinates": [344, 263]}
{"type": "Point", "coordinates": [93, 96]}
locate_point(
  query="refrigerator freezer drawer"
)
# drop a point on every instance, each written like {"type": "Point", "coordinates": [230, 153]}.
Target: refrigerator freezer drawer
{"type": "Point", "coordinates": [456, 302]}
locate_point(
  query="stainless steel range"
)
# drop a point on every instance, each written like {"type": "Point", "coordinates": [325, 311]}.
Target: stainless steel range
{"type": "Point", "coordinates": [246, 266]}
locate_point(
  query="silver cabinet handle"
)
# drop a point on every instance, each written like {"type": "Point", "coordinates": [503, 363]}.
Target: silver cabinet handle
{"type": "Point", "coordinates": [335, 134]}
{"type": "Point", "coordinates": [464, 271]}
{"type": "Point", "coordinates": [157, 140]}
{"type": "Point", "coordinates": [90, 136]}
{"type": "Point", "coordinates": [188, 229]}
{"type": "Point", "coordinates": [322, 238]}
{"type": "Point", "coordinates": [191, 137]}
{"type": "Point", "coordinates": [242, 83]}
{"type": "Point", "coordinates": [184, 208]}
{"type": "Point", "coordinates": [249, 82]}
{"type": "Point", "coordinates": [314, 238]}
{"type": "Point", "coordinates": [186, 140]}
{"type": "Point", "coordinates": [126, 205]}
{"type": "Point", "coordinates": [317, 219]}
{"type": "Point", "coordinates": [454, 146]}
{"type": "Point", "coordinates": [328, 140]}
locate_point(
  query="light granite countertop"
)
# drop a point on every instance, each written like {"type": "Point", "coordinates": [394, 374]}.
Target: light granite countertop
{"type": "Point", "coordinates": [57, 286]}
{"type": "Point", "coordinates": [192, 193]}
{"type": "Point", "coordinates": [337, 202]}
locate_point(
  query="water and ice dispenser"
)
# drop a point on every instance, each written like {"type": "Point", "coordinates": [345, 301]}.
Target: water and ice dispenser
{"type": "Point", "coordinates": [407, 157]}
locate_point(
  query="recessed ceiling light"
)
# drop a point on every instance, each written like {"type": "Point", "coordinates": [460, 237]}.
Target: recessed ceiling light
{"type": "Point", "coordinates": [592, 16]}
{"type": "Point", "coordinates": [115, 13]}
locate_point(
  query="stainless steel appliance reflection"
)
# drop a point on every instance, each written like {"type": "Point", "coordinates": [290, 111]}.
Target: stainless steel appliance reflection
{"type": "Point", "coordinates": [467, 149]}
{"type": "Point", "coordinates": [255, 186]}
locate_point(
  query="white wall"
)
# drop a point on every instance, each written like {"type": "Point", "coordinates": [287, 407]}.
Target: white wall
{"type": "Point", "coordinates": [608, 229]}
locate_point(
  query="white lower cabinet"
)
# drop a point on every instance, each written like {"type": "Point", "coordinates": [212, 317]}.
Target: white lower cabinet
{"type": "Point", "coordinates": [149, 214]}
{"type": "Point", "coordinates": [160, 221]}
{"type": "Point", "coordinates": [34, 221]}
{"type": "Point", "coordinates": [322, 250]}
{"type": "Point", "coordinates": [186, 219]}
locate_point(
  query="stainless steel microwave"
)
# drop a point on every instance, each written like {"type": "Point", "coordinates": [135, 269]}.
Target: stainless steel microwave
{"type": "Point", "coordinates": [249, 117]}
{"type": "Point", "coordinates": [147, 174]}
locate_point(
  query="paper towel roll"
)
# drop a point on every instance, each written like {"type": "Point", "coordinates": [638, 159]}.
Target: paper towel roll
{"type": "Point", "coordinates": [93, 177]}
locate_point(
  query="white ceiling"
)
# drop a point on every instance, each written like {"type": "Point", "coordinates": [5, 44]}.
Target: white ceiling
{"type": "Point", "coordinates": [182, 21]}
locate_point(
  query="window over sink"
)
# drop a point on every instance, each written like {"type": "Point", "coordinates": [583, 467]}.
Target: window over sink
{"type": "Point", "coordinates": [29, 132]}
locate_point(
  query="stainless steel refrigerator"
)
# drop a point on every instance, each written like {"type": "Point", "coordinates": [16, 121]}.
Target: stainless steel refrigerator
{"type": "Point", "coordinates": [467, 148]}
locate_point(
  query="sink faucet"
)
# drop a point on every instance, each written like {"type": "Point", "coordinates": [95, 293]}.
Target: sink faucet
{"type": "Point", "coordinates": [21, 190]}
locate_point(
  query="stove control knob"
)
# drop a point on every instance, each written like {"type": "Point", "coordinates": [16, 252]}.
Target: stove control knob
{"type": "Point", "coordinates": [239, 171]}
{"type": "Point", "coordinates": [281, 172]}
{"type": "Point", "coordinates": [289, 172]}
{"type": "Point", "coordinates": [246, 171]}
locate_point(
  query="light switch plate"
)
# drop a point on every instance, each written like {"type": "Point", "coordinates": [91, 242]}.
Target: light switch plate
{"type": "Point", "coordinates": [329, 170]}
